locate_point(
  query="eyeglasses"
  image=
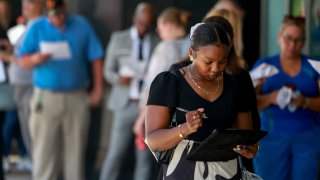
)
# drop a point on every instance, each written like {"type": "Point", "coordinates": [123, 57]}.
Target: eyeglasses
{"type": "Point", "coordinates": [296, 40]}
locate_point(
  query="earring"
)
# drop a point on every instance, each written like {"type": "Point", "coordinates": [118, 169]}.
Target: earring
{"type": "Point", "coordinates": [191, 58]}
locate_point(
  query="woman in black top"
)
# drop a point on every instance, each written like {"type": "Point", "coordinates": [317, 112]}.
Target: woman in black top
{"type": "Point", "coordinates": [203, 90]}
{"type": "Point", "coordinates": [241, 75]}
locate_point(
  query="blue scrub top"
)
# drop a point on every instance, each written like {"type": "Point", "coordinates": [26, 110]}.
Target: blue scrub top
{"type": "Point", "coordinates": [276, 120]}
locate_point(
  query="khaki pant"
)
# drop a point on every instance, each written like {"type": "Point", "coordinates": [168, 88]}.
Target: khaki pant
{"type": "Point", "coordinates": [22, 96]}
{"type": "Point", "coordinates": [59, 134]}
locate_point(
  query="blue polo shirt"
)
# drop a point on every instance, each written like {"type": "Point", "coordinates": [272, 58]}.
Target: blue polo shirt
{"type": "Point", "coordinates": [276, 120]}
{"type": "Point", "coordinates": [64, 74]}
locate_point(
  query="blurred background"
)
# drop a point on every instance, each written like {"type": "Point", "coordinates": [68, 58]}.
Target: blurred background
{"type": "Point", "coordinates": [262, 19]}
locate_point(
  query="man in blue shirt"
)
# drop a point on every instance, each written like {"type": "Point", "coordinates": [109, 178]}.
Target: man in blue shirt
{"type": "Point", "coordinates": [59, 48]}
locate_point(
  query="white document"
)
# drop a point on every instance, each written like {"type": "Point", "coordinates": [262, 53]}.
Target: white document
{"type": "Point", "coordinates": [264, 70]}
{"type": "Point", "coordinates": [2, 72]}
{"type": "Point", "coordinates": [315, 64]}
{"type": "Point", "coordinates": [15, 33]}
{"type": "Point", "coordinates": [127, 71]}
{"type": "Point", "coordinates": [284, 97]}
{"type": "Point", "coordinates": [58, 50]}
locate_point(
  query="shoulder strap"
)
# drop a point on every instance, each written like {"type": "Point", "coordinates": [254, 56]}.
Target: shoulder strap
{"type": "Point", "coordinates": [172, 110]}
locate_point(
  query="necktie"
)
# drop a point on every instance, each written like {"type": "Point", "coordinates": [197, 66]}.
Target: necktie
{"type": "Point", "coordinates": [140, 59]}
{"type": "Point", "coordinates": [140, 52]}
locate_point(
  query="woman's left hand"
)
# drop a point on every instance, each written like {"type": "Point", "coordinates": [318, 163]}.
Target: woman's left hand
{"type": "Point", "coordinates": [248, 151]}
{"type": "Point", "coordinates": [299, 101]}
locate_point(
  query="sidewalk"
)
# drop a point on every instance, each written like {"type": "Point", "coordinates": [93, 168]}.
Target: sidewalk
{"type": "Point", "coordinates": [14, 173]}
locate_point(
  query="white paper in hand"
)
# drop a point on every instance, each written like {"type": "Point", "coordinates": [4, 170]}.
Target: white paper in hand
{"type": "Point", "coordinates": [284, 96]}
{"type": "Point", "coordinates": [58, 50]}
{"type": "Point", "coordinates": [315, 64]}
{"type": "Point", "coordinates": [264, 70]}
{"type": "Point", "coordinates": [15, 33]}
{"type": "Point", "coordinates": [127, 71]}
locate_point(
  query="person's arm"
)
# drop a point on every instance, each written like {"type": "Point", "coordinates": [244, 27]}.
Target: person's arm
{"type": "Point", "coordinates": [159, 137]}
{"type": "Point", "coordinates": [97, 88]}
{"type": "Point", "coordinates": [311, 103]}
{"type": "Point", "coordinates": [265, 100]}
{"type": "Point", "coordinates": [32, 60]}
{"type": "Point", "coordinates": [139, 124]}
{"type": "Point", "coordinates": [7, 57]}
{"type": "Point", "coordinates": [243, 121]}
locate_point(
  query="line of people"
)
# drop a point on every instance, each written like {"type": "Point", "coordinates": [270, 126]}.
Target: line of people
{"type": "Point", "coordinates": [291, 43]}
{"type": "Point", "coordinates": [55, 92]}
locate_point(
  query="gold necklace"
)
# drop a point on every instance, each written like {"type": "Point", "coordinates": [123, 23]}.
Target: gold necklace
{"type": "Point", "coordinates": [202, 89]}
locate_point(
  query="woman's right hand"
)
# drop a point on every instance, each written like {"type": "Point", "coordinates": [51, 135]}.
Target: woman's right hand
{"type": "Point", "coordinates": [273, 97]}
{"type": "Point", "coordinates": [39, 58]}
{"type": "Point", "coordinates": [138, 127]}
{"type": "Point", "coordinates": [194, 119]}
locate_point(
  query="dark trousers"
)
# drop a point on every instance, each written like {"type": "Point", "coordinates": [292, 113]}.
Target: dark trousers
{"type": "Point", "coordinates": [10, 130]}
{"type": "Point", "coordinates": [1, 125]}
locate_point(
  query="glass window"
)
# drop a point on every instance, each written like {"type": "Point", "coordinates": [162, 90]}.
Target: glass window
{"type": "Point", "coordinates": [315, 29]}
{"type": "Point", "coordinates": [297, 8]}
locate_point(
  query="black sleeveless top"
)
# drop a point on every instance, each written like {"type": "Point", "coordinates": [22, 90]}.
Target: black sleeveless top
{"type": "Point", "coordinates": [171, 89]}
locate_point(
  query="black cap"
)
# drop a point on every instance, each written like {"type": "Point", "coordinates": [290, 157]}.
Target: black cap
{"type": "Point", "coordinates": [54, 6]}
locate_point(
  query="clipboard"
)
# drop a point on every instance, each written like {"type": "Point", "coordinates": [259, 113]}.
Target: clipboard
{"type": "Point", "coordinates": [218, 146]}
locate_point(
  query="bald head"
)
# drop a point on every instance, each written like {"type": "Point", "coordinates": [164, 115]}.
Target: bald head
{"type": "Point", "coordinates": [143, 17]}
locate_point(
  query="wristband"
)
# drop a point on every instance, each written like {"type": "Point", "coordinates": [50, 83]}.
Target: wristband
{"type": "Point", "coordinates": [180, 133]}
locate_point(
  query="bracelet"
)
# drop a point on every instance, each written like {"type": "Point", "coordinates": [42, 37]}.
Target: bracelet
{"type": "Point", "coordinates": [306, 103]}
{"type": "Point", "coordinates": [180, 133]}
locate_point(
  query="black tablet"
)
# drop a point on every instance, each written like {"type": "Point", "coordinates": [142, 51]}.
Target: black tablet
{"type": "Point", "coordinates": [219, 145]}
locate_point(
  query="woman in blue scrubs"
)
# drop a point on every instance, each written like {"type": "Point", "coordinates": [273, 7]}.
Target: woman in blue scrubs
{"type": "Point", "coordinates": [289, 151]}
